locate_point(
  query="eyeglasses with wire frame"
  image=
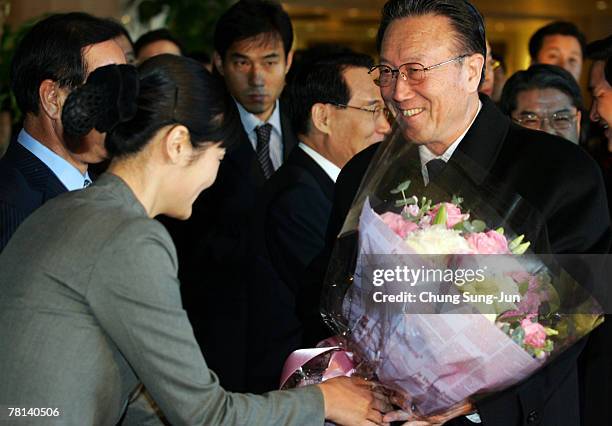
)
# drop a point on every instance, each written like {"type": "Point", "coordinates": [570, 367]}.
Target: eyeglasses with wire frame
{"type": "Point", "coordinates": [383, 75]}
{"type": "Point", "coordinates": [376, 112]}
{"type": "Point", "coordinates": [561, 120]}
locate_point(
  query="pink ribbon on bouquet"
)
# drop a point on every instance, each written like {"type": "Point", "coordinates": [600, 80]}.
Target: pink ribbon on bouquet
{"type": "Point", "coordinates": [340, 362]}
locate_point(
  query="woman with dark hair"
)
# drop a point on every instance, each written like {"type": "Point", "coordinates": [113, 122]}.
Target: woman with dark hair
{"type": "Point", "coordinates": [90, 307]}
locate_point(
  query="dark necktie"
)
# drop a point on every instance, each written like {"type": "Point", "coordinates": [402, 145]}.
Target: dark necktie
{"type": "Point", "coordinates": [263, 149]}
{"type": "Point", "coordinates": [434, 168]}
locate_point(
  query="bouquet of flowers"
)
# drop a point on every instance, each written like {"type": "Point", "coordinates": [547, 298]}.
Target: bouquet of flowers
{"type": "Point", "coordinates": [434, 292]}
{"type": "Point", "coordinates": [516, 296]}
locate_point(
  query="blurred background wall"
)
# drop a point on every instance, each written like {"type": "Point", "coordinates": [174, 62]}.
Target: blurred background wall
{"type": "Point", "coordinates": [510, 23]}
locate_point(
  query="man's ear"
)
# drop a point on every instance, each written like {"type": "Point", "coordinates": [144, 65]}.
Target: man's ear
{"type": "Point", "coordinates": [578, 121]}
{"type": "Point", "coordinates": [177, 145]}
{"type": "Point", "coordinates": [321, 118]}
{"type": "Point", "coordinates": [474, 65]}
{"type": "Point", "coordinates": [51, 99]}
{"type": "Point", "coordinates": [218, 61]}
{"type": "Point", "coordinates": [289, 61]}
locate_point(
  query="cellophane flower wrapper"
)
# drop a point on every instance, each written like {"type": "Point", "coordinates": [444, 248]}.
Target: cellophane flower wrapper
{"type": "Point", "coordinates": [466, 338]}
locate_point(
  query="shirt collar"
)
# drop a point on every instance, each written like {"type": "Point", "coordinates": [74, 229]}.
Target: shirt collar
{"type": "Point", "coordinates": [328, 167]}
{"type": "Point", "coordinates": [426, 155]}
{"type": "Point", "coordinates": [68, 175]}
{"type": "Point", "coordinates": [250, 121]}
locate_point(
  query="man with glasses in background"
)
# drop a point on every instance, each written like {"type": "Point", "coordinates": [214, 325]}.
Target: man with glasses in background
{"type": "Point", "coordinates": [544, 97]}
{"type": "Point", "coordinates": [337, 111]}
{"type": "Point", "coordinates": [432, 54]}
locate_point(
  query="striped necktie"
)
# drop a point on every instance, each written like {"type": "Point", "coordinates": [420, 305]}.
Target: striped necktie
{"type": "Point", "coordinates": [263, 149]}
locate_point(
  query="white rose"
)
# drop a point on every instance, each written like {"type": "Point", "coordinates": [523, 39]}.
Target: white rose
{"type": "Point", "coordinates": [437, 239]}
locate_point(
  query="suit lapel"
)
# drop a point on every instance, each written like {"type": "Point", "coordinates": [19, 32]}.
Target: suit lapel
{"type": "Point", "coordinates": [303, 160]}
{"type": "Point", "coordinates": [483, 142]}
{"type": "Point", "coordinates": [246, 161]}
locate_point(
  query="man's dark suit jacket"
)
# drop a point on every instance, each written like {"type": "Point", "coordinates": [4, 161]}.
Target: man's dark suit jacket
{"type": "Point", "coordinates": [288, 233]}
{"type": "Point", "coordinates": [565, 186]}
{"type": "Point", "coordinates": [26, 183]}
{"type": "Point", "coordinates": [212, 249]}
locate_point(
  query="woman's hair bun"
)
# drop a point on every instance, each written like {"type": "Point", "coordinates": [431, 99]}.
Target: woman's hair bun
{"type": "Point", "coordinates": [107, 98]}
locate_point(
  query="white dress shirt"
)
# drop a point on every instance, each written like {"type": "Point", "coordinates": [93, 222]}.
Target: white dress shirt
{"type": "Point", "coordinates": [250, 122]}
{"type": "Point", "coordinates": [68, 175]}
{"type": "Point", "coordinates": [426, 155]}
{"type": "Point", "coordinates": [328, 167]}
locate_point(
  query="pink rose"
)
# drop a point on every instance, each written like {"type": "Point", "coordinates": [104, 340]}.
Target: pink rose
{"type": "Point", "coordinates": [522, 276]}
{"type": "Point", "coordinates": [532, 299]}
{"type": "Point", "coordinates": [453, 214]}
{"type": "Point", "coordinates": [490, 242]}
{"type": "Point", "coordinates": [535, 334]}
{"type": "Point", "coordinates": [398, 224]}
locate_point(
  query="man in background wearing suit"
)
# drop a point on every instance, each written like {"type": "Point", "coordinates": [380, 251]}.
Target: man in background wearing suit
{"type": "Point", "coordinates": [253, 54]}
{"type": "Point", "coordinates": [337, 111]}
{"type": "Point", "coordinates": [53, 58]}
{"type": "Point", "coordinates": [432, 56]}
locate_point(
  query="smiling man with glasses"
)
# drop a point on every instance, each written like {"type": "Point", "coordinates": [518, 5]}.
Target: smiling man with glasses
{"type": "Point", "coordinates": [432, 57]}
{"type": "Point", "coordinates": [544, 97]}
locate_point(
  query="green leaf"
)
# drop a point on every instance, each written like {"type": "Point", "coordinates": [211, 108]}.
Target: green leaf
{"type": "Point", "coordinates": [478, 225]}
{"type": "Point", "coordinates": [548, 346]}
{"type": "Point", "coordinates": [468, 227]}
{"type": "Point", "coordinates": [402, 203]}
{"type": "Point", "coordinates": [523, 287]}
{"type": "Point", "coordinates": [522, 248]}
{"type": "Point", "coordinates": [550, 331]}
{"type": "Point", "coordinates": [518, 335]}
{"type": "Point", "coordinates": [500, 230]}
{"type": "Point", "coordinates": [457, 200]}
{"type": "Point", "coordinates": [516, 242]}
{"type": "Point", "coordinates": [440, 218]}
{"type": "Point", "coordinates": [401, 187]}
{"type": "Point", "coordinates": [460, 226]}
